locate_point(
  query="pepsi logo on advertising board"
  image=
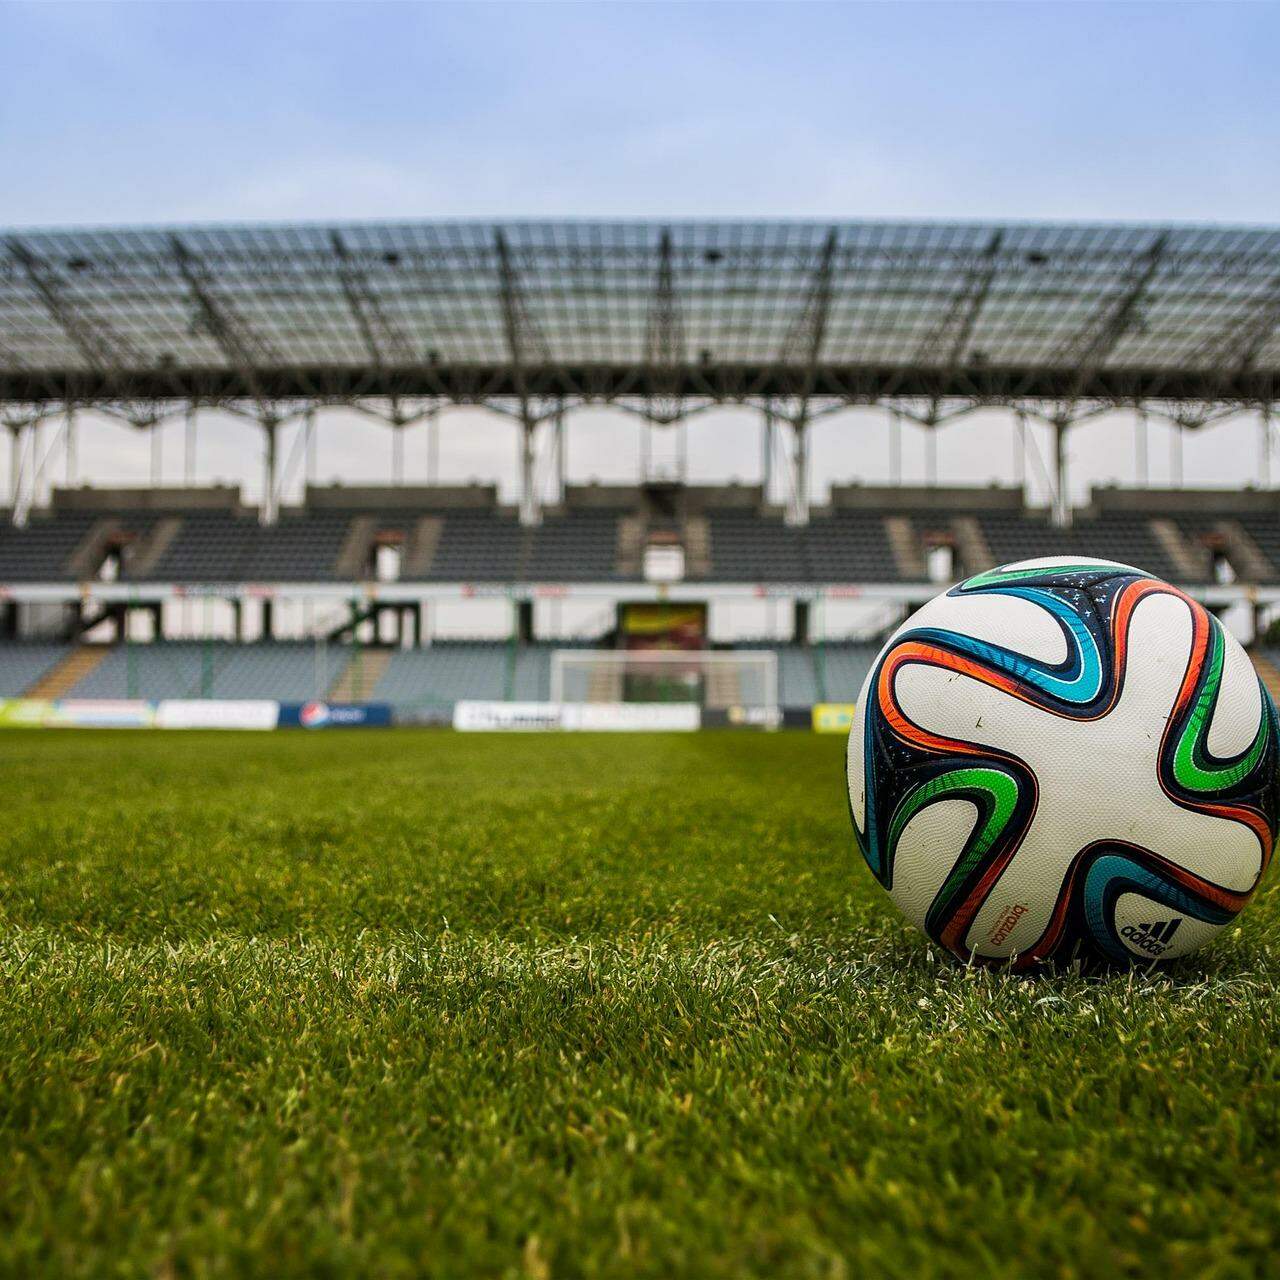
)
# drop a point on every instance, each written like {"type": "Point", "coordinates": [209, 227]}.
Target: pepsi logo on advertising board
{"type": "Point", "coordinates": [313, 715]}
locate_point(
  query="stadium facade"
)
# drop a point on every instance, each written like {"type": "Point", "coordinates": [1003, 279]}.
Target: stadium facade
{"type": "Point", "coordinates": [797, 321]}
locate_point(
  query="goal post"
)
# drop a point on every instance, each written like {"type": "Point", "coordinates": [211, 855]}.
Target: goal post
{"type": "Point", "coordinates": [715, 679]}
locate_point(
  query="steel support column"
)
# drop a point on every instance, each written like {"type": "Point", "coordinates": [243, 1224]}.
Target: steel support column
{"type": "Point", "coordinates": [157, 456]}
{"type": "Point", "coordinates": [1175, 455]}
{"type": "Point", "coordinates": [189, 445]}
{"type": "Point", "coordinates": [433, 446]}
{"type": "Point", "coordinates": [1020, 449]}
{"type": "Point", "coordinates": [1264, 447]}
{"type": "Point", "coordinates": [766, 452]}
{"type": "Point", "coordinates": [1061, 478]}
{"type": "Point", "coordinates": [895, 447]}
{"type": "Point", "coordinates": [16, 443]}
{"type": "Point", "coordinates": [798, 503]}
{"type": "Point", "coordinates": [309, 445]}
{"type": "Point", "coordinates": [529, 506]}
{"type": "Point", "coordinates": [1141, 429]}
{"type": "Point", "coordinates": [562, 468]}
{"type": "Point", "coordinates": [69, 446]}
{"type": "Point", "coordinates": [931, 455]}
{"type": "Point", "coordinates": [270, 502]}
{"type": "Point", "coordinates": [397, 454]}
{"type": "Point", "coordinates": [39, 461]}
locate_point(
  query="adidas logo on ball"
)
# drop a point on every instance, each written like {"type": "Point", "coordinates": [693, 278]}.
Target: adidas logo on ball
{"type": "Point", "coordinates": [1153, 938]}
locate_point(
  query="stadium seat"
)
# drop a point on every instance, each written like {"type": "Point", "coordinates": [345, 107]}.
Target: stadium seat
{"type": "Point", "coordinates": [22, 663]}
{"type": "Point", "coordinates": [289, 672]}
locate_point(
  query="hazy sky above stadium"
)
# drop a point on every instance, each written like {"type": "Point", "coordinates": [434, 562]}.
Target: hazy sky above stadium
{"type": "Point", "coordinates": [141, 112]}
{"type": "Point", "coordinates": [179, 113]}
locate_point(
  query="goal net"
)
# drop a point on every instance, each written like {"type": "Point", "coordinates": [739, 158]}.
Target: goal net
{"type": "Point", "coordinates": [717, 680]}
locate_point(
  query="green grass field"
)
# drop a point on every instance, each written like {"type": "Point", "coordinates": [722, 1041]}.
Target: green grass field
{"type": "Point", "coordinates": [405, 1002]}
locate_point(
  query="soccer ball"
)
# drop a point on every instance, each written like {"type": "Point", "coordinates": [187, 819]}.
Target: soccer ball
{"type": "Point", "coordinates": [1065, 759]}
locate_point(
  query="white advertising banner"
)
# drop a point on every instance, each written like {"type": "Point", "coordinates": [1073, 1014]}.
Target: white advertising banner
{"type": "Point", "coordinates": [519, 717]}
{"type": "Point", "coordinates": [583, 717]}
{"type": "Point", "coordinates": [244, 713]}
{"type": "Point", "coordinates": [633, 717]}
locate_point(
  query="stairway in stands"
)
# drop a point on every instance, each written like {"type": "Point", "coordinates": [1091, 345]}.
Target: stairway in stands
{"type": "Point", "coordinates": [59, 681]}
{"type": "Point", "coordinates": [352, 562]}
{"type": "Point", "coordinates": [360, 676]}
{"type": "Point", "coordinates": [971, 543]}
{"type": "Point", "coordinates": [908, 558]}
{"type": "Point", "coordinates": [628, 559]}
{"type": "Point", "coordinates": [1269, 673]}
{"type": "Point", "coordinates": [697, 546]}
{"type": "Point", "coordinates": [1188, 560]}
{"type": "Point", "coordinates": [146, 555]}
{"type": "Point", "coordinates": [1244, 553]}
{"type": "Point", "coordinates": [420, 553]}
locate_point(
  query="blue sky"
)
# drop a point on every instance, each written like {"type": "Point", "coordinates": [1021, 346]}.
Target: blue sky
{"type": "Point", "coordinates": [164, 112]}
{"type": "Point", "coordinates": [237, 111]}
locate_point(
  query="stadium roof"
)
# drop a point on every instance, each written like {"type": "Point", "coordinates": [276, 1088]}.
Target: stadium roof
{"type": "Point", "coordinates": [471, 311]}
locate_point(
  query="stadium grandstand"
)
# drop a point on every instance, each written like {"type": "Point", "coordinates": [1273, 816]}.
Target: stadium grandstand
{"type": "Point", "coordinates": [179, 592]}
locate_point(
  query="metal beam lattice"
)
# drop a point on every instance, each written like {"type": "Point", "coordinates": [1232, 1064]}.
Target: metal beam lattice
{"type": "Point", "coordinates": [665, 339]}
{"type": "Point", "coordinates": [386, 345]}
{"type": "Point", "coordinates": [1089, 350]}
{"type": "Point", "coordinates": [651, 318]}
{"type": "Point", "coordinates": [947, 344]}
{"type": "Point", "coordinates": [90, 334]}
{"type": "Point", "coordinates": [244, 350]}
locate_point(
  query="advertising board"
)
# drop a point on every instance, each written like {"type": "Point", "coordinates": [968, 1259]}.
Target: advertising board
{"type": "Point", "coordinates": [632, 717]}
{"type": "Point", "coordinates": [511, 717]}
{"type": "Point", "coordinates": [833, 717]}
{"type": "Point", "coordinates": [213, 713]}
{"type": "Point", "coordinates": [582, 717]}
{"type": "Point", "coordinates": [334, 715]}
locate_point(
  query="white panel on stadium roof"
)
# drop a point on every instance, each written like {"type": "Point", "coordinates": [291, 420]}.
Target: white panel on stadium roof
{"type": "Point", "coordinates": [470, 310]}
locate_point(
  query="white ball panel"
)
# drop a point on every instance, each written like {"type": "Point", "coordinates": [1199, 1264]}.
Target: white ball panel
{"type": "Point", "coordinates": [1234, 724]}
{"type": "Point", "coordinates": [1048, 562]}
{"type": "Point", "coordinates": [930, 844]}
{"type": "Point", "coordinates": [1010, 621]}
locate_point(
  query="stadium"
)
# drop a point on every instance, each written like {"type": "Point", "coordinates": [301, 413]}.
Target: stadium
{"type": "Point", "coordinates": [416, 877]}
{"type": "Point", "coordinates": [191, 593]}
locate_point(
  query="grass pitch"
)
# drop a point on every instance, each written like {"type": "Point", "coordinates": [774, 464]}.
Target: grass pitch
{"type": "Point", "coordinates": [399, 1003]}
